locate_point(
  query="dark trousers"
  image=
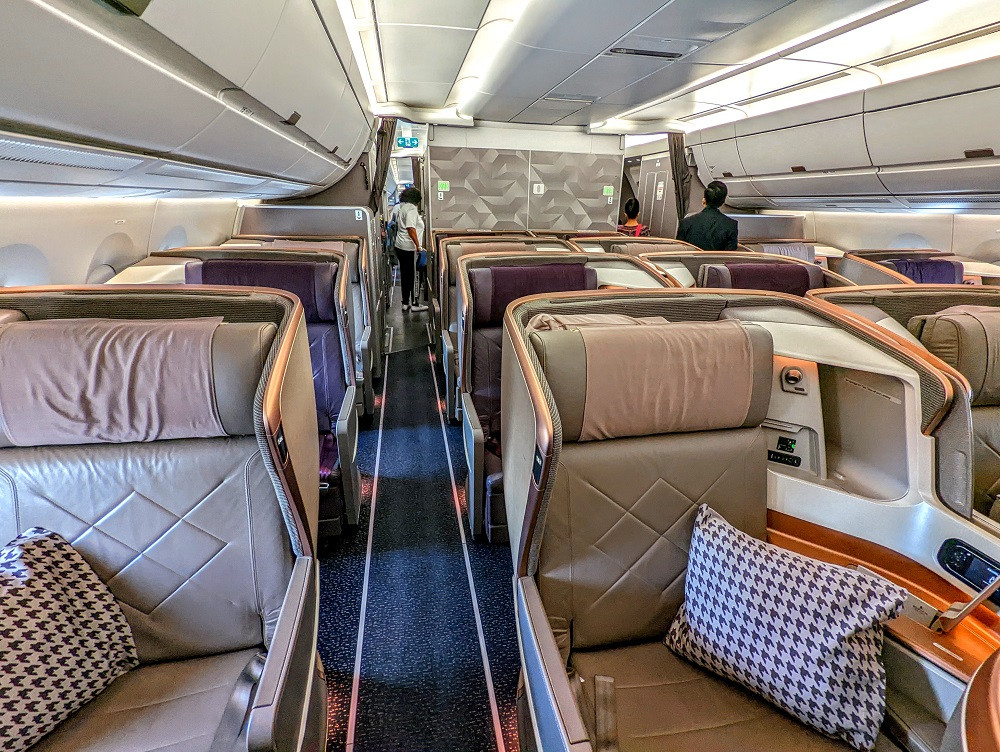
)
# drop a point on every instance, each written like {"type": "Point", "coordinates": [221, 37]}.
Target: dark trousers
{"type": "Point", "coordinates": [407, 269]}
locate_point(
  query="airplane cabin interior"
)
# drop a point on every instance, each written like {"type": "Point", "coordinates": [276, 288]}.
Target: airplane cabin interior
{"type": "Point", "coordinates": [499, 376]}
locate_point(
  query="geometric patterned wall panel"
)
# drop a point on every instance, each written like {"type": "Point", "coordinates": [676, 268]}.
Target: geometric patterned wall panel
{"type": "Point", "coordinates": [488, 191]}
{"type": "Point", "coordinates": [574, 198]}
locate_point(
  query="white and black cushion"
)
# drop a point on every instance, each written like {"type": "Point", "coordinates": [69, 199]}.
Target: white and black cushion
{"type": "Point", "coordinates": [805, 635]}
{"type": "Point", "coordinates": [63, 636]}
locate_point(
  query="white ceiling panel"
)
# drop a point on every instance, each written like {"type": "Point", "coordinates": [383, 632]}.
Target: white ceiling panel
{"type": "Point", "coordinates": [588, 26]}
{"type": "Point", "coordinates": [418, 94]}
{"type": "Point", "coordinates": [537, 71]}
{"type": "Point", "coordinates": [547, 113]}
{"type": "Point", "coordinates": [696, 19]}
{"type": "Point", "coordinates": [502, 109]}
{"type": "Point", "coordinates": [461, 13]}
{"type": "Point", "coordinates": [423, 53]}
{"type": "Point", "coordinates": [668, 79]}
{"type": "Point", "coordinates": [609, 73]}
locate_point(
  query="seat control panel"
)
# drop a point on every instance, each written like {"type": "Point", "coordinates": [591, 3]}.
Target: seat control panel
{"type": "Point", "coordinates": [972, 567]}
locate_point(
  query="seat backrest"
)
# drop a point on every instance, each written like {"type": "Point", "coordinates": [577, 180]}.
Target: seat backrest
{"type": "Point", "coordinates": [135, 440]}
{"type": "Point", "coordinates": [928, 270]}
{"type": "Point", "coordinates": [968, 339]}
{"type": "Point", "coordinates": [791, 278]}
{"type": "Point", "coordinates": [803, 251]}
{"type": "Point", "coordinates": [635, 249]}
{"type": "Point", "coordinates": [315, 284]}
{"type": "Point", "coordinates": [655, 420]}
{"type": "Point", "coordinates": [492, 289]}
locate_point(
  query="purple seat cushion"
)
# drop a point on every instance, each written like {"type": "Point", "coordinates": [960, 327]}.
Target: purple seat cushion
{"type": "Point", "coordinates": [788, 278]}
{"type": "Point", "coordinates": [930, 271]}
{"type": "Point", "coordinates": [487, 348]}
{"type": "Point", "coordinates": [328, 373]}
{"type": "Point", "coordinates": [313, 282]}
{"type": "Point", "coordinates": [329, 459]}
{"type": "Point", "coordinates": [496, 287]}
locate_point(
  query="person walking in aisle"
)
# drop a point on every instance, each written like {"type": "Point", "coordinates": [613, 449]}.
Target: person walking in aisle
{"type": "Point", "coordinates": [409, 243]}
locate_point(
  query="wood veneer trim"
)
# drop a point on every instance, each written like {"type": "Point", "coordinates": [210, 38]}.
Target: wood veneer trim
{"type": "Point", "coordinates": [960, 652]}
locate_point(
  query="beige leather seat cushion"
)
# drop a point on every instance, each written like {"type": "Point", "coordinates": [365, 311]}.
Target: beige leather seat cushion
{"type": "Point", "coordinates": [166, 707]}
{"type": "Point", "coordinates": [665, 703]}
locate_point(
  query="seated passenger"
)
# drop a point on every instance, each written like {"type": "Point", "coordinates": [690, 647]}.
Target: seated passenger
{"type": "Point", "coordinates": [710, 229]}
{"type": "Point", "coordinates": [632, 226]}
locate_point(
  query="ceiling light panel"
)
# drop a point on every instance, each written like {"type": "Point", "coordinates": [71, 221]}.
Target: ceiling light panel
{"type": "Point", "coordinates": [465, 14]}
{"type": "Point", "coordinates": [918, 25]}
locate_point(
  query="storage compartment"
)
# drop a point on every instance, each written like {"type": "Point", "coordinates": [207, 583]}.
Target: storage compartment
{"type": "Point", "coordinates": [829, 145]}
{"type": "Point", "coordinates": [301, 73]}
{"type": "Point", "coordinates": [722, 160]}
{"type": "Point", "coordinates": [863, 182]}
{"type": "Point", "coordinates": [226, 35]}
{"type": "Point", "coordinates": [865, 426]}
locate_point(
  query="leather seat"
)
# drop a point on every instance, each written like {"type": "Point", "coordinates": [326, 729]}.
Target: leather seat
{"type": "Point", "coordinates": [928, 271]}
{"type": "Point", "coordinates": [968, 338]}
{"type": "Point", "coordinates": [151, 466]}
{"type": "Point", "coordinates": [315, 284]}
{"type": "Point", "coordinates": [793, 279]}
{"type": "Point", "coordinates": [634, 465]}
{"type": "Point", "coordinates": [706, 711]}
{"type": "Point", "coordinates": [175, 705]}
{"type": "Point", "coordinates": [492, 289]}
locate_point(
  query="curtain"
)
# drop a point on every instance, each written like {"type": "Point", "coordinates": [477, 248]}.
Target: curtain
{"type": "Point", "coordinates": [383, 153]}
{"type": "Point", "coordinates": [681, 174]}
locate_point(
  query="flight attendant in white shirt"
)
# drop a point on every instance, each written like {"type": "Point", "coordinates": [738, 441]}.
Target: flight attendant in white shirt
{"type": "Point", "coordinates": [409, 242]}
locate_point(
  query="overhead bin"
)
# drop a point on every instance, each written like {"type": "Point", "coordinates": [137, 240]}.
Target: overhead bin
{"type": "Point", "coordinates": [82, 81]}
{"type": "Point", "coordinates": [202, 27]}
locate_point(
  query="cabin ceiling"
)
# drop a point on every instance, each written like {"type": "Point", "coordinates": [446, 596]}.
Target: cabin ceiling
{"type": "Point", "coordinates": [554, 65]}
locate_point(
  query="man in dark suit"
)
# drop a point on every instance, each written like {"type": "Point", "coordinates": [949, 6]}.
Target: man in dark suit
{"type": "Point", "coordinates": [710, 229]}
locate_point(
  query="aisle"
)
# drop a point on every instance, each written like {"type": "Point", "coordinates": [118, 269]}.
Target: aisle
{"type": "Point", "coordinates": [422, 679]}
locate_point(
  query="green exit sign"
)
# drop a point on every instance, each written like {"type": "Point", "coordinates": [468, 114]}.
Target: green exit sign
{"type": "Point", "coordinates": [408, 143]}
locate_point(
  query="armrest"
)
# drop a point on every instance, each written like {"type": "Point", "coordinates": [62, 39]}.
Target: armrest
{"type": "Point", "coordinates": [279, 713]}
{"type": "Point", "coordinates": [347, 448]}
{"type": "Point", "coordinates": [474, 439]}
{"type": "Point", "coordinates": [448, 363]}
{"type": "Point", "coordinates": [555, 715]}
{"type": "Point", "coordinates": [366, 369]}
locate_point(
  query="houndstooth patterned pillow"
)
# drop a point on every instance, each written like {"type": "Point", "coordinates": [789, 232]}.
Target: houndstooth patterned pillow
{"type": "Point", "coordinates": [63, 636]}
{"type": "Point", "coordinates": [803, 634]}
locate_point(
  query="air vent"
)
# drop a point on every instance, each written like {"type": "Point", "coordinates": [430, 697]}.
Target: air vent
{"type": "Point", "coordinates": [582, 99]}
{"type": "Point", "coordinates": [644, 53]}
{"type": "Point", "coordinates": [61, 156]}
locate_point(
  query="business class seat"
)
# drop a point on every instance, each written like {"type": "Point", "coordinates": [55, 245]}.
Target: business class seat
{"type": "Point", "coordinates": [652, 245]}
{"type": "Point", "coordinates": [140, 443]}
{"type": "Point", "coordinates": [793, 279]}
{"type": "Point", "coordinates": [631, 474]}
{"type": "Point", "coordinates": [928, 271]}
{"type": "Point", "coordinates": [315, 283]}
{"type": "Point", "coordinates": [792, 249]}
{"type": "Point", "coordinates": [968, 339]}
{"type": "Point", "coordinates": [490, 290]}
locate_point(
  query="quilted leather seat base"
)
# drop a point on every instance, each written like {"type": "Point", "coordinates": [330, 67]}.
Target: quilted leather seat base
{"type": "Point", "coordinates": [166, 707]}
{"type": "Point", "coordinates": [665, 703]}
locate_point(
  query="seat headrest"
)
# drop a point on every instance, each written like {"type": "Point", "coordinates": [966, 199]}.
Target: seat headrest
{"type": "Point", "coordinates": [611, 383]}
{"type": "Point", "coordinates": [634, 249]}
{"type": "Point", "coordinates": [551, 322]}
{"type": "Point", "coordinates": [314, 282]}
{"type": "Point", "coordinates": [968, 339]}
{"type": "Point", "coordinates": [495, 287]}
{"type": "Point", "coordinates": [804, 251]}
{"type": "Point", "coordinates": [9, 315]}
{"type": "Point", "coordinates": [116, 381]}
{"type": "Point", "coordinates": [776, 276]}
{"type": "Point", "coordinates": [928, 271]}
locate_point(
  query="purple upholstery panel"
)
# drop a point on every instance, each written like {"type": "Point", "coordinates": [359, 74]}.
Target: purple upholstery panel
{"type": "Point", "coordinates": [328, 373]}
{"type": "Point", "coordinates": [314, 283]}
{"type": "Point", "coordinates": [496, 287]}
{"type": "Point", "coordinates": [788, 278]}
{"type": "Point", "coordinates": [487, 348]}
{"type": "Point", "coordinates": [329, 459]}
{"type": "Point", "coordinates": [929, 271]}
